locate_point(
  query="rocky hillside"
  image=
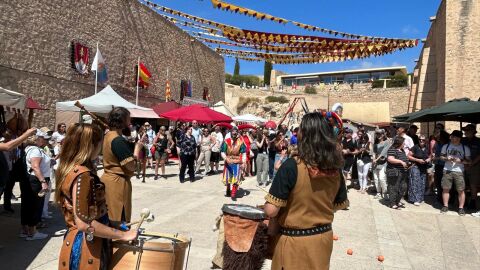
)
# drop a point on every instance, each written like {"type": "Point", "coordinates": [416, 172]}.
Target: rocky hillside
{"type": "Point", "coordinates": [264, 103]}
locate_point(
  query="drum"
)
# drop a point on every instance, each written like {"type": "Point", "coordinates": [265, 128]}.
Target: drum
{"type": "Point", "coordinates": [244, 211]}
{"type": "Point", "coordinates": [151, 251]}
{"type": "Point", "coordinates": [246, 240]}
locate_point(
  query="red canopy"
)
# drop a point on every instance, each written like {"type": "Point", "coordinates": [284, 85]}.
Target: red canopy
{"type": "Point", "coordinates": [271, 124]}
{"type": "Point", "coordinates": [164, 107]}
{"type": "Point", "coordinates": [32, 104]}
{"type": "Point", "coordinates": [196, 112]}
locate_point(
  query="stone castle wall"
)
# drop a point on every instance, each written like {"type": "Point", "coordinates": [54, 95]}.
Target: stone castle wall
{"type": "Point", "coordinates": [448, 65]}
{"type": "Point", "coordinates": [35, 52]}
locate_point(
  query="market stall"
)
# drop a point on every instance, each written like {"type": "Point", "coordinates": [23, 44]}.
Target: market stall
{"type": "Point", "coordinates": [100, 103]}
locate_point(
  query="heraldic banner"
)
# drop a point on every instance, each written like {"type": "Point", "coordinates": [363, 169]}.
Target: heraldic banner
{"type": "Point", "coordinates": [81, 58]}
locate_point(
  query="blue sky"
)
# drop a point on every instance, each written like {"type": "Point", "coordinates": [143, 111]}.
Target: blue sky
{"type": "Point", "coordinates": [384, 18]}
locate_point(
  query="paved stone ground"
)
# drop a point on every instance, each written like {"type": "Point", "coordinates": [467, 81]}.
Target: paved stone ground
{"type": "Point", "coordinates": [412, 238]}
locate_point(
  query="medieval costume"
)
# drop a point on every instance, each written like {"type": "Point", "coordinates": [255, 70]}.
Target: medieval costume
{"type": "Point", "coordinates": [81, 250]}
{"type": "Point", "coordinates": [307, 198]}
{"type": "Point", "coordinates": [117, 152]}
{"type": "Point", "coordinates": [234, 152]}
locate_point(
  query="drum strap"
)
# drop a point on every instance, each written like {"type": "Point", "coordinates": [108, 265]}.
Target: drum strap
{"type": "Point", "coordinates": [306, 232]}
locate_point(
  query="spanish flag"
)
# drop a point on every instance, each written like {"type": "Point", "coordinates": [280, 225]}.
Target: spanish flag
{"type": "Point", "coordinates": [143, 76]}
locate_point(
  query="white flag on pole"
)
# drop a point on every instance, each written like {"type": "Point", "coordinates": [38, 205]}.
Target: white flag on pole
{"type": "Point", "coordinates": [99, 67]}
{"type": "Point", "coordinates": [98, 60]}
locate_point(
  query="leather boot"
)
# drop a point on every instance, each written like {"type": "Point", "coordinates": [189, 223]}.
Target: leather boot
{"type": "Point", "coordinates": [234, 192]}
{"type": "Point", "coordinates": [228, 191]}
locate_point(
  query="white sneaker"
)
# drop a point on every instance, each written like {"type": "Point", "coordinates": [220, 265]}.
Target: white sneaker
{"type": "Point", "coordinates": [37, 236]}
{"type": "Point", "coordinates": [477, 214]}
{"type": "Point", "coordinates": [416, 203]}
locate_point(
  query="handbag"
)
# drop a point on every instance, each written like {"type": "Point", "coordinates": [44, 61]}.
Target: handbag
{"type": "Point", "coordinates": [35, 184]}
{"type": "Point", "coordinates": [152, 150]}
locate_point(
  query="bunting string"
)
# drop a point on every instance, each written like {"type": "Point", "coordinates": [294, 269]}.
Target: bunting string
{"type": "Point", "coordinates": [263, 16]}
{"type": "Point", "coordinates": [302, 48]}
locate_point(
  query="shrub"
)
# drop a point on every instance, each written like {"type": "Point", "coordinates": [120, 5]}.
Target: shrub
{"type": "Point", "coordinates": [250, 80]}
{"type": "Point", "coordinates": [280, 99]}
{"type": "Point", "coordinates": [310, 89]}
{"type": "Point", "coordinates": [244, 101]}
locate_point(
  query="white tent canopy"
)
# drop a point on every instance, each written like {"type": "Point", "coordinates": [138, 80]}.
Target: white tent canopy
{"type": "Point", "coordinates": [12, 100]}
{"type": "Point", "coordinates": [249, 118]}
{"type": "Point", "coordinates": [222, 108]}
{"type": "Point", "coordinates": [102, 102]}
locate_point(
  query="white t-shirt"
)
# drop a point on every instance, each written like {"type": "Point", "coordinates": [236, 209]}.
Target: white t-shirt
{"type": "Point", "coordinates": [408, 144]}
{"type": "Point", "coordinates": [151, 135]}
{"type": "Point", "coordinates": [455, 151]}
{"type": "Point", "coordinates": [36, 152]}
{"type": "Point", "coordinates": [196, 134]}
{"type": "Point", "coordinates": [56, 152]}
{"type": "Point", "coordinates": [218, 141]}
{"type": "Point", "coordinates": [57, 137]}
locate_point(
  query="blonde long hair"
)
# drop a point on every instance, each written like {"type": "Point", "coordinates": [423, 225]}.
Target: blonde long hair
{"type": "Point", "coordinates": [77, 148]}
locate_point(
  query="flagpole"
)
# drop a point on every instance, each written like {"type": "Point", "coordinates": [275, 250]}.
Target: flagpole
{"type": "Point", "coordinates": [96, 73]}
{"type": "Point", "coordinates": [138, 76]}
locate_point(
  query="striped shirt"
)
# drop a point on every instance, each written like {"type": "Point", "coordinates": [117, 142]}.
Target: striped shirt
{"type": "Point", "coordinates": [397, 154]}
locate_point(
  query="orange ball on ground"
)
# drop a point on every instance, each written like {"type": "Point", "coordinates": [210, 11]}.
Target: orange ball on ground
{"type": "Point", "coordinates": [381, 258]}
{"type": "Point", "coordinates": [349, 251]}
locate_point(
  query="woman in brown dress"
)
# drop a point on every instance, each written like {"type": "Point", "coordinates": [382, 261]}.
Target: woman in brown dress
{"type": "Point", "coordinates": [304, 195]}
{"type": "Point", "coordinates": [82, 197]}
{"type": "Point", "coordinates": [119, 167]}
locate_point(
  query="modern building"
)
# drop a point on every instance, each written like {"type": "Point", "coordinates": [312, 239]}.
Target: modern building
{"type": "Point", "coordinates": [331, 77]}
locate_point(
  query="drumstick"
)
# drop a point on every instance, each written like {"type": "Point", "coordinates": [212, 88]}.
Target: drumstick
{"type": "Point", "coordinates": [264, 190]}
{"type": "Point", "coordinates": [94, 116]}
{"type": "Point", "coordinates": [144, 214]}
{"type": "Point", "coordinates": [149, 219]}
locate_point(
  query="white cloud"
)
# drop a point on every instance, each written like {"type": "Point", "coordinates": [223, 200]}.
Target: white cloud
{"type": "Point", "coordinates": [366, 64]}
{"type": "Point", "coordinates": [369, 64]}
{"type": "Point", "coordinates": [409, 30]}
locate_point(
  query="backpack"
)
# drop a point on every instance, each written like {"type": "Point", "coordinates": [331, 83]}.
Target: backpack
{"type": "Point", "coordinates": [19, 167]}
{"type": "Point", "coordinates": [463, 146]}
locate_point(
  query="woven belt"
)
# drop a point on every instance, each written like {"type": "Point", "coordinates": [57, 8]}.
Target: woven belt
{"type": "Point", "coordinates": [306, 232]}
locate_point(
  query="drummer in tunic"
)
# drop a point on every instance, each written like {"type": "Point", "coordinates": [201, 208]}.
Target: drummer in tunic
{"type": "Point", "coordinates": [304, 195]}
{"type": "Point", "coordinates": [119, 167]}
{"type": "Point", "coordinates": [233, 151]}
{"type": "Point", "coordinates": [81, 196]}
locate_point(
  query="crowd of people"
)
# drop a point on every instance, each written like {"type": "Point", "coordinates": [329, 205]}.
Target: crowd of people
{"type": "Point", "coordinates": [199, 149]}
{"type": "Point", "coordinates": [402, 164]}
{"type": "Point", "coordinates": [399, 163]}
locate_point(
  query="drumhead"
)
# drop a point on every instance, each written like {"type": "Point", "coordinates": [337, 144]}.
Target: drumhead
{"type": "Point", "coordinates": [243, 210]}
{"type": "Point", "coordinates": [176, 238]}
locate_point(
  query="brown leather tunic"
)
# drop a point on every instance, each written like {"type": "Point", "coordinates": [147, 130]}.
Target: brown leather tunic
{"type": "Point", "coordinates": [90, 205]}
{"type": "Point", "coordinates": [116, 178]}
{"type": "Point", "coordinates": [310, 204]}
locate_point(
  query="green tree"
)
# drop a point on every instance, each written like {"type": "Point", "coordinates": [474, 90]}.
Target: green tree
{"type": "Point", "coordinates": [267, 71]}
{"type": "Point", "coordinates": [236, 70]}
